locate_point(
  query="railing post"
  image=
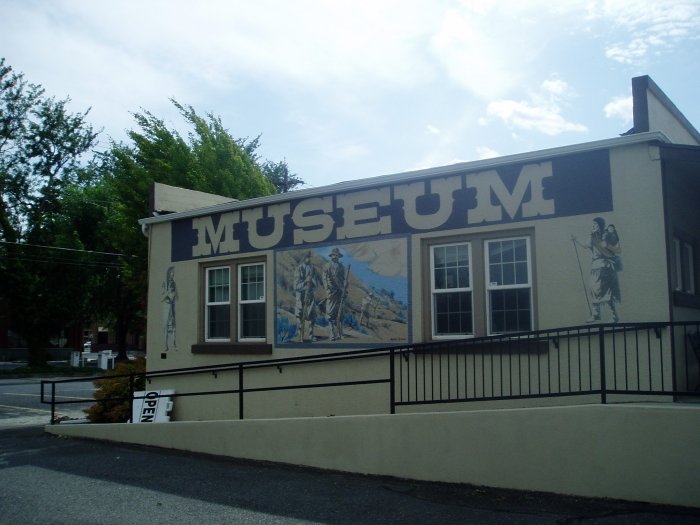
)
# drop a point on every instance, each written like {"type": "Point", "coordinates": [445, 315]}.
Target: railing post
{"type": "Point", "coordinates": [392, 381]}
{"type": "Point", "coordinates": [240, 391]}
{"type": "Point", "coordinates": [131, 398]}
{"type": "Point", "coordinates": [53, 403]}
{"type": "Point", "coordinates": [601, 346]}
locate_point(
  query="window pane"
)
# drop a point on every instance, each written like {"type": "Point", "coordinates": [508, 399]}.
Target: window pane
{"type": "Point", "coordinates": [451, 276]}
{"type": "Point", "coordinates": [252, 282]}
{"type": "Point", "coordinates": [218, 285]}
{"type": "Point", "coordinates": [510, 310]}
{"type": "Point", "coordinates": [439, 257]}
{"type": "Point", "coordinates": [677, 279]}
{"type": "Point", "coordinates": [252, 306]}
{"type": "Point", "coordinates": [495, 274]}
{"type": "Point", "coordinates": [463, 254]}
{"type": "Point", "coordinates": [440, 281]}
{"type": "Point", "coordinates": [494, 252]}
{"type": "Point", "coordinates": [507, 250]}
{"type": "Point", "coordinates": [508, 274]}
{"type": "Point", "coordinates": [508, 263]}
{"type": "Point", "coordinates": [219, 322]}
{"type": "Point", "coordinates": [463, 277]}
{"type": "Point", "coordinates": [253, 320]}
{"type": "Point", "coordinates": [453, 313]}
{"type": "Point", "coordinates": [521, 273]}
{"type": "Point", "coordinates": [688, 277]}
{"type": "Point", "coordinates": [451, 267]}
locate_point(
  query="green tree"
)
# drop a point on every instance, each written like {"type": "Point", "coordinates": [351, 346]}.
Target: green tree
{"type": "Point", "coordinates": [209, 159]}
{"type": "Point", "coordinates": [279, 175]}
{"type": "Point", "coordinates": [42, 145]}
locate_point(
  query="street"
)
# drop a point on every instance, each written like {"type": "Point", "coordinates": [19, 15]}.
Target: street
{"type": "Point", "coordinates": [50, 479]}
{"type": "Point", "coordinates": [20, 401]}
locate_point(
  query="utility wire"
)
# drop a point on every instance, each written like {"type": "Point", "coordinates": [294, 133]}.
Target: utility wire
{"type": "Point", "coordinates": [63, 261]}
{"type": "Point", "coordinates": [67, 249]}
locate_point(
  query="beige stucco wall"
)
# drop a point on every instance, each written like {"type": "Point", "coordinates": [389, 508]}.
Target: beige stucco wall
{"type": "Point", "coordinates": [633, 452]}
{"type": "Point", "coordinates": [660, 118]}
{"type": "Point", "coordinates": [559, 285]}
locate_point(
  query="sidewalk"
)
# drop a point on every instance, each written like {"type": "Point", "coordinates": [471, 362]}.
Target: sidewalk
{"type": "Point", "coordinates": [55, 480]}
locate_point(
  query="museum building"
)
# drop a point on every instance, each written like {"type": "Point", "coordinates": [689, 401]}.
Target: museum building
{"type": "Point", "coordinates": [602, 233]}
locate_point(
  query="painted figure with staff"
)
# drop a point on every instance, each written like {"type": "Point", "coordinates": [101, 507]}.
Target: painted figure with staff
{"type": "Point", "coordinates": [603, 282]}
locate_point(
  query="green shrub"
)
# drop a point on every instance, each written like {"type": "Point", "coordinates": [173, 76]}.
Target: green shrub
{"type": "Point", "coordinates": [107, 409]}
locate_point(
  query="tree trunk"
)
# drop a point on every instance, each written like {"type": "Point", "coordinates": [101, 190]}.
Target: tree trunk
{"type": "Point", "coordinates": [37, 345]}
{"type": "Point", "coordinates": [120, 336]}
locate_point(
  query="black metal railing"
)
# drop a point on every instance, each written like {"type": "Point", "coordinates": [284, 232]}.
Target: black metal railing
{"type": "Point", "coordinates": [604, 362]}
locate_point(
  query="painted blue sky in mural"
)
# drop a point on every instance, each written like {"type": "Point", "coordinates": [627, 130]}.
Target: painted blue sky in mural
{"type": "Point", "coordinates": [362, 271]}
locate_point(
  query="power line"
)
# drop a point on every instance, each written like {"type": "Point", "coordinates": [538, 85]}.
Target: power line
{"type": "Point", "coordinates": [67, 249]}
{"type": "Point", "coordinates": [63, 261]}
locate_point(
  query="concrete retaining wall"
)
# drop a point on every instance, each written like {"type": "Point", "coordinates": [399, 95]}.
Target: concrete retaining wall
{"type": "Point", "coordinates": [633, 452]}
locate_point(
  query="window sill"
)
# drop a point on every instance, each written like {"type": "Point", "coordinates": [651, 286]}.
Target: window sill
{"type": "Point", "coordinates": [685, 299]}
{"type": "Point", "coordinates": [232, 348]}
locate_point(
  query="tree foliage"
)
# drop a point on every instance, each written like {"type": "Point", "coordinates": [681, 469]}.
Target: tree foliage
{"type": "Point", "coordinates": [208, 159]}
{"type": "Point", "coordinates": [71, 249]}
{"type": "Point", "coordinates": [41, 147]}
{"type": "Point", "coordinates": [113, 392]}
{"type": "Point", "coordinates": [279, 175]}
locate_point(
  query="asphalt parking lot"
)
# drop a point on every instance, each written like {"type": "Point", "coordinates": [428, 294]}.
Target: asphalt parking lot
{"type": "Point", "coordinates": [49, 479]}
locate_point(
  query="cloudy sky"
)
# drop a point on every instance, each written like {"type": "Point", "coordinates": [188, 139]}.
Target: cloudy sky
{"type": "Point", "coordinates": [349, 89]}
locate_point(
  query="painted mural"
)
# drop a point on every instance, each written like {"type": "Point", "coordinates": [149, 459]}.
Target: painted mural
{"type": "Point", "coordinates": [602, 289]}
{"type": "Point", "coordinates": [354, 293]}
{"type": "Point", "coordinates": [168, 291]}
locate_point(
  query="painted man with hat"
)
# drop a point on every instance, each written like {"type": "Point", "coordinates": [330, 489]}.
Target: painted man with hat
{"type": "Point", "coordinates": [305, 279]}
{"type": "Point", "coordinates": [334, 283]}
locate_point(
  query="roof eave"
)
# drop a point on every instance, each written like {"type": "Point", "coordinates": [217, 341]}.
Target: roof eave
{"type": "Point", "coordinates": [625, 140]}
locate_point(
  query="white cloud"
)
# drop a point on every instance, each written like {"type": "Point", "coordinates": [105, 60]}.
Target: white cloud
{"type": "Point", "coordinates": [343, 87]}
{"type": "Point", "coordinates": [557, 87]}
{"type": "Point", "coordinates": [524, 115]}
{"type": "Point", "coordinates": [484, 152]}
{"type": "Point", "coordinates": [650, 26]}
{"type": "Point", "coordinates": [483, 62]}
{"type": "Point", "coordinates": [541, 113]}
{"type": "Point", "coordinates": [629, 54]}
{"type": "Point", "coordinates": [619, 108]}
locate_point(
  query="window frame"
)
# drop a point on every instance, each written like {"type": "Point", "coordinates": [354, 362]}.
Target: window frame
{"type": "Point", "coordinates": [209, 304]}
{"type": "Point", "coordinates": [491, 286]}
{"type": "Point", "coordinates": [235, 342]}
{"type": "Point", "coordinates": [434, 291]}
{"type": "Point", "coordinates": [241, 302]}
{"type": "Point", "coordinates": [684, 268]}
{"type": "Point", "coordinates": [481, 316]}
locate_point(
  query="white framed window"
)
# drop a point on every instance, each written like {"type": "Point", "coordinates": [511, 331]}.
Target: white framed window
{"type": "Point", "coordinates": [683, 267]}
{"type": "Point", "coordinates": [677, 266]}
{"type": "Point", "coordinates": [508, 285]}
{"type": "Point", "coordinates": [251, 301]}
{"type": "Point", "coordinates": [235, 302]}
{"type": "Point", "coordinates": [217, 311]}
{"type": "Point", "coordinates": [451, 290]}
{"type": "Point", "coordinates": [688, 268]}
